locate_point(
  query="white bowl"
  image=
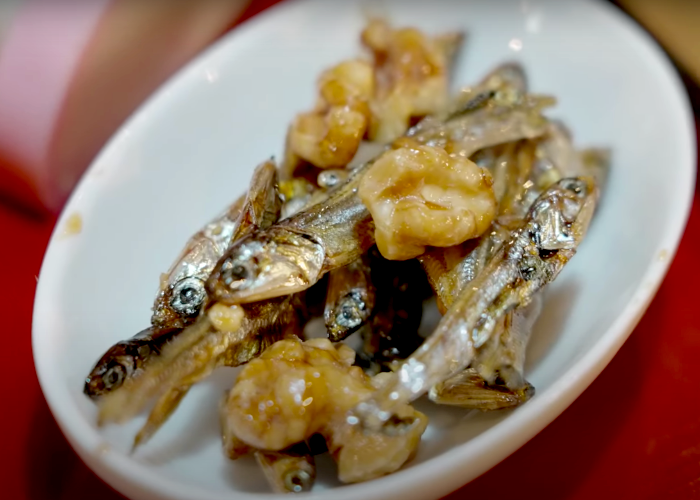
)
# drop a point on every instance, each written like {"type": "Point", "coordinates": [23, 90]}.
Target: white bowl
{"type": "Point", "coordinates": [190, 150]}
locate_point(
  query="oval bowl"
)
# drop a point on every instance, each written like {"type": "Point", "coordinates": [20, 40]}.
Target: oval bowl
{"type": "Point", "coordinates": [191, 148]}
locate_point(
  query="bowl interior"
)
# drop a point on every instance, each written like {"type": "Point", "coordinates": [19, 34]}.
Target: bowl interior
{"type": "Point", "coordinates": [190, 151]}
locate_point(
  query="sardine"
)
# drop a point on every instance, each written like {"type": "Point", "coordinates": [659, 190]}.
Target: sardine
{"type": "Point", "coordinates": [191, 357]}
{"type": "Point", "coordinates": [182, 291]}
{"type": "Point", "coordinates": [203, 349]}
{"type": "Point", "coordinates": [556, 224]}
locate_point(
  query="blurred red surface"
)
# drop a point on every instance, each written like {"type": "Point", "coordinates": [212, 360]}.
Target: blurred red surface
{"type": "Point", "coordinates": [634, 433]}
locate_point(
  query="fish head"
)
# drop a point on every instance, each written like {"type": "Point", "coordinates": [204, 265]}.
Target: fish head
{"type": "Point", "coordinates": [123, 359]}
{"type": "Point", "coordinates": [298, 478]}
{"type": "Point", "coordinates": [179, 304]}
{"type": "Point", "coordinates": [112, 370]}
{"type": "Point", "coordinates": [266, 264]}
{"type": "Point", "coordinates": [346, 315]}
{"type": "Point", "coordinates": [107, 376]}
{"type": "Point", "coordinates": [562, 214]}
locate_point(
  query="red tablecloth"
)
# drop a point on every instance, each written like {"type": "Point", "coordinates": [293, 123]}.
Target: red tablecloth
{"type": "Point", "coordinates": [635, 433]}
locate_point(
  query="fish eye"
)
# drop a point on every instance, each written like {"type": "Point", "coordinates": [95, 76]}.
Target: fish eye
{"type": "Point", "coordinates": [349, 317]}
{"type": "Point", "coordinates": [240, 272]}
{"type": "Point", "coordinates": [235, 273]}
{"type": "Point", "coordinates": [187, 297]}
{"type": "Point", "coordinates": [577, 186]}
{"type": "Point", "coordinates": [297, 481]}
{"type": "Point", "coordinates": [114, 376]}
{"type": "Point", "coordinates": [350, 311]}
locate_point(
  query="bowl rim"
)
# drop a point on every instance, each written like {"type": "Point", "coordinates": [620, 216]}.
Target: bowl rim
{"type": "Point", "coordinates": [125, 475]}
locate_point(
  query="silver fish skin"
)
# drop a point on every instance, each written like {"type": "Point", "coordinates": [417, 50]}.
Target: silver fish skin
{"type": "Point", "coordinates": [556, 224]}
{"type": "Point", "coordinates": [503, 356]}
{"type": "Point", "coordinates": [295, 253]}
{"type": "Point", "coordinates": [332, 178]}
{"type": "Point", "coordinates": [508, 79]}
{"type": "Point", "coordinates": [497, 110]}
{"type": "Point", "coordinates": [125, 359]}
{"type": "Point", "coordinates": [554, 158]}
{"type": "Point", "coordinates": [183, 290]}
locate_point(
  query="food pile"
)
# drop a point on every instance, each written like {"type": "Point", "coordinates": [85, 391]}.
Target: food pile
{"type": "Point", "coordinates": [477, 199]}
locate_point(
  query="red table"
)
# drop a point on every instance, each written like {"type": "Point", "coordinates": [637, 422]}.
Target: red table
{"type": "Point", "coordinates": [635, 433]}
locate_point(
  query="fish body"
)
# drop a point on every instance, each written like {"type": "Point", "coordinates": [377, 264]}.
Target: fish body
{"type": "Point", "coordinates": [501, 360]}
{"type": "Point", "coordinates": [532, 258]}
{"type": "Point", "coordinates": [182, 291]}
{"type": "Point", "coordinates": [295, 253]}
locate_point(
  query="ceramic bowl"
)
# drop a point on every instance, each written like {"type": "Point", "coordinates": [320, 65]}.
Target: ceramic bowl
{"type": "Point", "coordinates": [190, 150]}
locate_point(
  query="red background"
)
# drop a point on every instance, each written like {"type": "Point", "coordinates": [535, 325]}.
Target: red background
{"type": "Point", "coordinates": [634, 433]}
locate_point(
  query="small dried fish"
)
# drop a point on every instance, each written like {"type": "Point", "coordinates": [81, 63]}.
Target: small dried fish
{"type": "Point", "coordinates": [525, 169]}
{"type": "Point", "coordinates": [494, 122]}
{"type": "Point", "coordinates": [537, 252]}
{"type": "Point", "coordinates": [192, 356]}
{"type": "Point", "coordinates": [508, 80]}
{"type": "Point", "coordinates": [183, 293]}
{"type": "Point", "coordinates": [182, 290]}
{"type": "Point", "coordinates": [293, 254]}
{"type": "Point", "coordinates": [201, 348]}
{"type": "Point", "coordinates": [449, 274]}
{"type": "Point", "coordinates": [349, 300]}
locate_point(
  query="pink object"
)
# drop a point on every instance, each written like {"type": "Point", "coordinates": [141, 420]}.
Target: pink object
{"type": "Point", "coordinates": [71, 71]}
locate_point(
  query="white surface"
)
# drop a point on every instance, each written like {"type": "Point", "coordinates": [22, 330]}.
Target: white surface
{"type": "Point", "coordinates": [191, 148]}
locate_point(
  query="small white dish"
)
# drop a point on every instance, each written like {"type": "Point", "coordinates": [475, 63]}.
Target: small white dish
{"type": "Point", "coordinates": [191, 149]}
